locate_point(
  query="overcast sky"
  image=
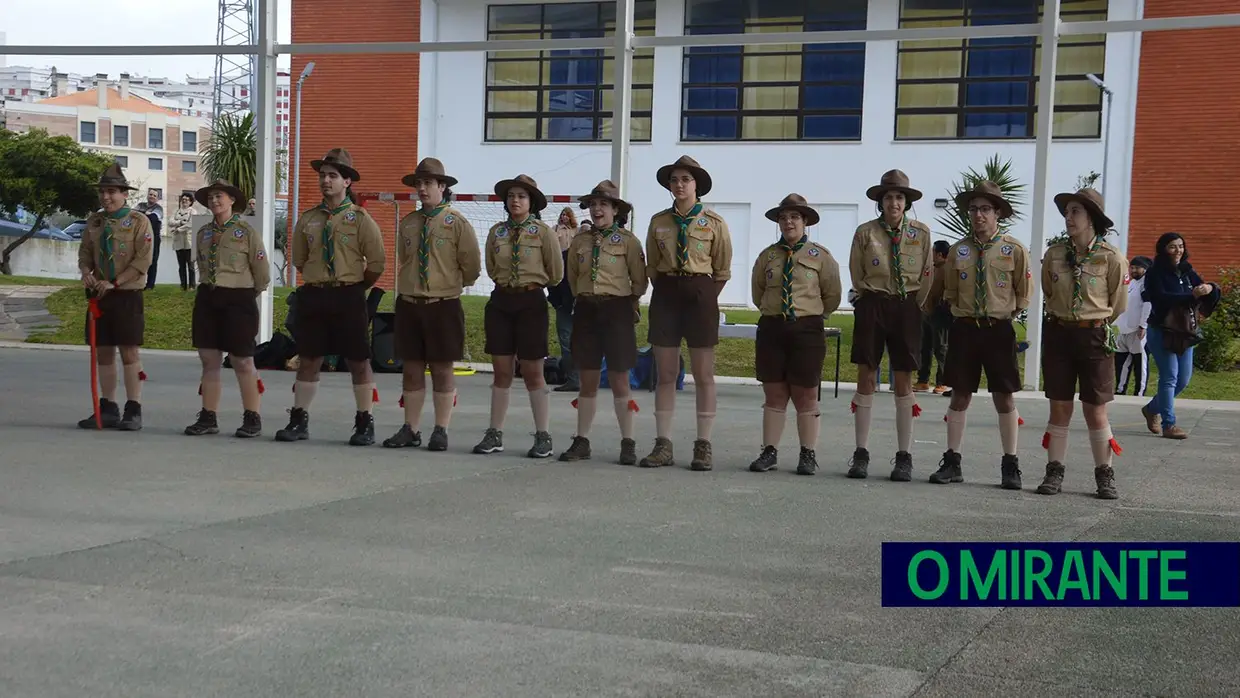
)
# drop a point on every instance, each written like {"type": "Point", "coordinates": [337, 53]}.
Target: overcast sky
{"type": "Point", "coordinates": [120, 22]}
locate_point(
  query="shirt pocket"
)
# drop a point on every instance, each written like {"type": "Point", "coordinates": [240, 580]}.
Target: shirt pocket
{"type": "Point", "coordinates": [613, 254]}
{"type": "Point", "coordinates": [701, 242]}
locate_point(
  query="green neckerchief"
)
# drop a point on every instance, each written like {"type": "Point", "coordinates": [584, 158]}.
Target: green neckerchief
{"type": "Point", "coordinates": [329, 241]}
{"type": "Point", "coordinates": [979, 296]}
{"type": "Point", "coordinates": [107, 249]}
{"type": "Point", "coordinates": [514, 233]}
{"type": "Point", "coordinates": [682, 235]}
{"type": "Point", "coordinates": [786, 295]}
{"type": "Point", "coordinates": [896, 236]}
{"type": "Point", "coordinates": [213, 251]}
{"type": "Point", "coordinates": [1078, 301]}
{"type": "Point", "coordinates": [599, 236]}
{"type": "Point", "coordinates": [424, 246]}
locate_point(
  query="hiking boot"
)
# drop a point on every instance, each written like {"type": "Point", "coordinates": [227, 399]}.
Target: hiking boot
{"type": "Point", "coordinates": [251, 425]}
{"type": "Point", "coordinates": [1009, 469]}
{"type": "Point", "coordinates": [542, 447]}
{"type": "Point", "coordinates": [859, 465]}
{"type": "Point", "coordinates": [570, 387]}
{"type": "Point", "coordinates": [132, 419]}
{"type": "Point", "coordinates": [578, 450]}
{"type": "Point", "coordinates": [1053, 482]}
{"type": "Point", "coordinates": [949, 469]}
{"type": "Point", "coordinates": [405, 438]}
{"type": "Point", "coordinates": [298, 428]}
{"type": "Point", "coordinates": [1153, 420]}
{"type": "Point", "coordinates": [903, 470]}
{"type": "Point", "coordinates": [661, 456]}
{"type": "Point", "coordinates": [628, 452]}
{"type": "Point", "coordinates": [109, 416]}
{"type": "Point", "coordinates": [492, 442]}
{"type": "Point", "coordinates": [1168, 432]}
{"type": "Point", "coordinates": [1104, 477]}
{"type": "Point", "coordinates": [438, 440]}
{"type": "Point", "coordinates": [207, 423]}
{"type": "Point", "coordinates": [808, 462]}
{"type": "Point", "coordinates": [701, 456]}
{"type": "Point", "coordinates": [765, 461]}
{"type": "Point", "coordinates": [363, 430]}
{"type": "Point", "coordinates": [921, 386]}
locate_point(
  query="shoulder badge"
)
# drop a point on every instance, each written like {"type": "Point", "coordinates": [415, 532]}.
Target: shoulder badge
{"type": "Point", "coordinates": [502, 232]}
{"type": "Point", "coordinates": [261, 255]}
{"type": "Point", "coordinates": [238, 233]}
{"type": "Point", "coordinates": [350, 216]}
{"type": "Point", "coordinates": [912, 233]}
{"type": "Point", "coordinates": [962, 251]}
{"type": "Point", "coordinates": [532, 228]}
{"type": "Point", "coordinates": [701, 221]}
{"type": "Point", "coordinates": [449, 219]}
{"type": "Point", "coordinates": [615, 238]}
{"type": "Point", "coordinates": [813, 252]}
{"type": "Point", "coordinates": [1006, 250]}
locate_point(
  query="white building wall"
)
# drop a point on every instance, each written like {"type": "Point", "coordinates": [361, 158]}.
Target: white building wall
{"type": "Point", "coordinates": [750, 178]}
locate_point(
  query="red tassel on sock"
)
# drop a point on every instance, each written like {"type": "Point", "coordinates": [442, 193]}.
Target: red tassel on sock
{"type": "Point", "coordinates": [401, 402]}
{"type": "Point", "coordinates": [916, 410]}
{"type": "Point", "coordinates": [1020, 421]}
{"type": "Point", "coordinates": [633, 406]}
{"type": "Point", "coordinates": [261, 388]}
{"type": "Point", "coordinates": [141, 375]}
{"type": "Point", "coordinates": [1046, 440]}
{"type": "Point", "coordinates": [293, 388]}
{"type": "Point", "coordinates": [454, 397]}
{"type": "Point", "coordinates": [1115, 447]}
{"type": "Point", "coordinates": [200, 388]}
{"type": "Point", "coordinates": [574, 403]}
{"type": "Point", "coordinates": [944, 418]}
{"type": "Point", "coordinates": [374, 395]}
{"type": "Point", "coordinates": [853, 406]}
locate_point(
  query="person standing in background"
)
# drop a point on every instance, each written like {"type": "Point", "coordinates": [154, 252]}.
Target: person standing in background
{"type": "Point", "coordinates": [561, 298]}
{"type": "Point", "coordinates": [155, 213]}
{"type": "Point", "coordinates": [181, 227]}
{"type": "Point", "coordinates": [935, 322]}
{"type": "Point", "coordinates": [1130, 356]}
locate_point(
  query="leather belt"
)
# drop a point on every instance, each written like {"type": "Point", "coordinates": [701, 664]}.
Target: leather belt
{"type": "Point", "coordinates": [518, 289]}
{"type": "Point", "coordinates": [329, 284]}
{"type": "Point", "coordinates": [982, 321]}
{"type": "Point", "coordinates": [1081, 324]}
{"type": "Point", "coordinates": [424, 300]}
{"type": "Point", "coordinates": [684, 274]}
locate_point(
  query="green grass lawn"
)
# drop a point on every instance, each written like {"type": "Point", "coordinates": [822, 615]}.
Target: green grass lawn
{"type": "Point", "coordinates": [169, 310]}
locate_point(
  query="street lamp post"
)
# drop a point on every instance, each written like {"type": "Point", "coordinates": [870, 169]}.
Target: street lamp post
{"type": "Point", "coordinates": [292, 217]}
{"type": "Point", "coordinates": [1106, 131]}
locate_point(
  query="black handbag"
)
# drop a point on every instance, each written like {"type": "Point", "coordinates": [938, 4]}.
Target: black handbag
{"type": "Point", "coordinates": [1181, 330]}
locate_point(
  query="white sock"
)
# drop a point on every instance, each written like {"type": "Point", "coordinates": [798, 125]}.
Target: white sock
{"type": "Point", "coordinates": [808, 424]}
{"type": "Point", "coordinates": [663, 424]}
{"type": "Point", "coordinates": [444, 403]}
{"type": "Point", "coordinates": [1009, 428]}
{"type": "Point", "coordinates": [586, 409]}
{"type": "Point", "coordinates": [364, 395]}
{"type": "Point", "coordinates": [540, 404]}
{"type": "Point", "coordinates": [705, 420]}
{"type": "Point", "coordinates": [1056, 443]}
{"type": "Point", "coordinates": [499, 407]}
{"type": "Point", "coordinates": [303, 394]}
{"type": "Point", "coordinates": [904, 422]}
{"type": "Point", "coordinates": [624, 416]}
{"type": "Point", "coordinates": [773, 421]}
{"type": "Point", "coordinates": [414, 401]}
{"type": "Point", "coordinates": [861, 418]}
{"type": "Point", "coordinates": [1100, 444]}
{"type": "Point", "coordinates": [955, 429]}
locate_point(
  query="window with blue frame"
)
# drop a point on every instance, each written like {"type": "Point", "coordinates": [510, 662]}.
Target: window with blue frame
{"type": "Point", "coordinates": [563, 95]}
{"type": "Point", "coordinates": [783, 92]}
{"type": "Point", "coordinates": [988, 87]}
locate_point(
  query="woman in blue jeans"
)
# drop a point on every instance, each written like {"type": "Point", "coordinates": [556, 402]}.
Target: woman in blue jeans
{"type": "Point", "coordinates": [1171, 284]}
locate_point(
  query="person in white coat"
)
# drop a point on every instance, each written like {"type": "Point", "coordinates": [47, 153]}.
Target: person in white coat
{"type": "Point", "coordinates": [1130, 357]}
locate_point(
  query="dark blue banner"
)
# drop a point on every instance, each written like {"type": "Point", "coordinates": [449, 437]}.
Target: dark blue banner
{"type": "Point", "coordinates": [1061, 574]}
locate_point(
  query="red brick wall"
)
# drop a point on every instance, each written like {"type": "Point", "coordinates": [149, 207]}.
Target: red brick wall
{"type": "Point", "coordinates": [367, 104]}
{"type": "Point", "coordinates": [1186, 154]}
{"type": "Point", "coordinates": [54, 124]}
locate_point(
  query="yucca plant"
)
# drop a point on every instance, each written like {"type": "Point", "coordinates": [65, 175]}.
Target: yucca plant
{"type": "Point", "coordinates": [231, 152]}
{"type": "Point", "coordinates": [954, 222]}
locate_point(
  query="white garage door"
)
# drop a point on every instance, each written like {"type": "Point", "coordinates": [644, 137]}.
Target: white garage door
{"type": "Point", "coordinates": [737, 292]}
{"type": "Point", "coordinates": [835, 230]}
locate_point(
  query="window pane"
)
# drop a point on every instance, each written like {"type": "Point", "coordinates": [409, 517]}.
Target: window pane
{"type": "Point", "coordinates": [516, 36]}
{"type": "Point", "coordinates": [569, 128]}
{"type": "Point", "coordinates": [642, 99]}
{"type": "Point", "coordinates": [1080, 60]}
{"type": "Point", "coordinates": [926, 126]}
{"type": "Point", "coordinates": [713, 12]}
{"type": "Point", "coordinates": [512, 73]}
{"type": "Point", "coordinates": [770, 127]}
{"type": "Point", "coordinates": [833, 96]}
{"type": "Point", "coordinates": [639, 128]}
{"type": "Point", "coordinates": [512, 100]}
{"type": "Point", "coordinates": [932, 95]}
{"type": "Point", "coordinates": [997, 94]}
{"type": "Point", "coordinates": [572, 71]}
{"type": "Point", "coordinates": [512, 129]}
{"type": "Point", "coordinates": [515, 17]}
{"type": "Point", "coordinates": [569, 100]}
{"type": "Point", "coordinates": [771, 98]}
{"type": "Point", "coordinates": [643, 71]}
{"type": "Point", "coordinates": [998, 125]}
{"type": "Point", "coordinates": [773, 68]}
{"type": "Point", "coordinates": [1077, 92]}
{"type": "Point", "coordinates": [836, 127]}
{"type": "Point", "coordinates": [573, 16]}
{"type": "Point", "coordinates": [925, 65]}
{"type": "Point", "coordinates": [710, 128]}
{"type": "Point", "coordinates": [1077, 124]}
{"type": "Point", "coordinates": [711, 98]}
{"type": "Point", "coordinates": [832, 67]}
{"type": "Point", "coordinates": [713, 69]}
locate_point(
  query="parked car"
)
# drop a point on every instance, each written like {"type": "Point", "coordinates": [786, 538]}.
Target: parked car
{"type": "Point", "coordinates": [74, 229]}
{"type": "Point", "coordinates": [46, 232]}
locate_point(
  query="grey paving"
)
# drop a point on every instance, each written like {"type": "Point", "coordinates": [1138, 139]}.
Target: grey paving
{"type": "Point", "coordinates": [153, 564]}
{"type": "Point", "coordinates": [23, 311]}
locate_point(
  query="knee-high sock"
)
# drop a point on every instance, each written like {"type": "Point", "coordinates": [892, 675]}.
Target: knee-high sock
{"type": "Point", "coordinates": [303, 394]}
{"type": "Point", "coordinates": [586, 409]}
{"type": "Point", "coordinates": [107, 381]}
{"type": "Point", "coordinates": [1056, 443]}
{"type": "Point", "coordinates": [212, 388]}
{"type": "Point", "coordinates": [540, 403]}
{"type": "Point", "coordinates": [364, 396]}
{"type": "Point", "coordinates": [955, 429]}
{"type": "Point", "coordinates": [808, 424]}
{"type": "Point", "coordinates": [499, 407]}
{"type": "Point", "coordinates": [414, 401]}
{"type": "Point", "coordinates": [443, 407]}
{"type": "Point", "coordinates": [904, 422]}
{"type": "Point", "coordinates": [133, 382]}
{"type": "Point", "coordinates": [1009, 429]}
{"type": "Point", "coordinates": [705, 420]}
{"type": "Point", "coordinates": [861, 418]}
{"type": "Point", "coordinates": [624, 416]}
{"type": "Point", "coordinates": [1100, 444]}
{"type": "Point", "coordinates": [773, 421]}
{"type": "Point", "coordinates": [247, 382]}
{"type": "Point", "coordinates": [664, 409]}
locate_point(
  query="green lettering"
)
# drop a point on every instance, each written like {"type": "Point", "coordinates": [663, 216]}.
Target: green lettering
{"type": "Point", "coordinates": [1143, 577]}
{"type": "Point", "coordinates": [944, 575]}
{"type": "Point", "coordinates": [1102, 568]}
{"type": "Point", "coordinates": [1166, 574]}
{"type": "Point", "coordinates": [1039, 576]}
{"type": "Point", "coordinates": [1014, 566]}
{"type": "Point", "coordinates": [1074, 567]}
{"type": "Point", "coordinates": [971, 578]}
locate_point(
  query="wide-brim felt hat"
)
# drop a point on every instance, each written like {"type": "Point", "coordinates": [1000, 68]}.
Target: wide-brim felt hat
{"type": "Point", "coordinates": [986, 189]}
{"type": "Point", "coordinates": [795, 202]}
{"type": "Point", "coordinates": [893, 180]}
{"type": "Point", "coordinates": [700, 175]}
{"type": "Point", "coordinates": [538, 200]}
{"type": "Point", "coordinates": [114, 176]}
{"type": "Point", "coordinates": [239, 200]}
{"type": "Point", "coordinates": [429, 168]}
{"type": "Point", "coordinates": [606, 190]}
{"type": "Point", "coordinates": [1090, 199]}
{"type": "Point", "coordinates": [340, 159]}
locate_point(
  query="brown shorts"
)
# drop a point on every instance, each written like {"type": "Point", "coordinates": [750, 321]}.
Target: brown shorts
{"type": "Point", "coordinates": [887, 322]}
{"type": "Point", "coordinates": [430, 330]}
{"type": "Point", "coordinates": [790, 352]}
{"type": "Point", "coordinates": [990, 346]}
{"type": "Point", "coordinates": [225, 319]}
{"type": "Point", "coordinates": [684, 308]}
{"type": "Point", "coordinates": [333, 321]}
{"type": "Point", "coordinates": [122, 323]}
{"type": "Point", "coordinates": [516, 323]}
{"type": "Point", "coordinates": [603, 326]}
{"type": "Point", "coordinates": [1072, 354]}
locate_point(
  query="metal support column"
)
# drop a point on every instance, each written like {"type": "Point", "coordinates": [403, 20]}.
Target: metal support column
{"type": "Point", "coordinates": [265, 194]}
{"type": "Point", "coordinates": [622, 99]}
{"type": "Point", "coordinates": [1041, 177]}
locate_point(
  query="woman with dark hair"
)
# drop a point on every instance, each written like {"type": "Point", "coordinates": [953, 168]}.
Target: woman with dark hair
{"type": "Point", "coordinates": [181, 227]}
{"type": "Point", "coordinates": [1176, 294]}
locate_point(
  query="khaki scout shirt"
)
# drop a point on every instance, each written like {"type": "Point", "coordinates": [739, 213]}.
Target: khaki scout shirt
{"type": "Point", "coordinates": [816, 286]}
{"type": "Point", "coordinates": [621, 264]}
{"type": "Point", "coordinates": [358, 245]}
{"type": "Point", "coordinates": [869, 260]}
{"type": "Point", "coordinates": [1104, 283]}
{"type": "Point", "coordinates": [133, 243]}
{"type": "Point", "coordinates": [710, 246]}
{"type": "Point", "coordinates": [539, 262]}
{"type": "Point", "coordinates": [1007, 277]}
{"type": "Point", "coordinates": [233, 256]}
{"type": "Point", "coordinates": [454, 260]}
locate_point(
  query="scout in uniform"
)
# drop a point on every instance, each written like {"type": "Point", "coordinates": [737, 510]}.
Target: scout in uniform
{"type": "Point", "coordinates": [796, 285]}
{"type": "Point", "coordinates": [987, 285]}
{"type": "Point", "coordinates": [437, 256]}
{"type": "Point", "coordinates": [607, 275]}
{"type": "Point", "coordinates": [1085, 280]}
{"type": "Point", "coordinates": [523, 259]}
{"type": "Point", "coordinates": [113, 257]}
{"type": "Point", "coordinates": [338, 249]}
{"type": "Point", "coordinates": [235, 269]}
{"type": "Point", "coordinates": [891, 263]}
{"type": "Point", "coordinates": [688, 260]}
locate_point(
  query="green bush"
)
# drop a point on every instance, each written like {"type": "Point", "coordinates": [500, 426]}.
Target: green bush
{"type": "Point", "coordinates": [1218, 350]}
{"type": "Point", "coordinates": [1228, 311]}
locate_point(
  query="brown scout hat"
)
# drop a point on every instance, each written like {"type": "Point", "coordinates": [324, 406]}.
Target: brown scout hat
{"type": "Point", "coordinates": [795, 202]}
{"type": "Point", "coordinates": [115, 177]}
{"type": "Point", "coordinates": [1090, 199]}
{"type": "Point", "coordinates": [340, 159]}
{"type": "Point", "coordinates": [664, 175]}
{"type": "Point", "coordinates": [239, 201]}
{"type": "Point", "coordinates": [538, 200]}
{"type": "Point", "coordinates": [893, 180]}
{"type": "Point", "coordinates": [986, 189]}
{"type": "Point", "coordinates": [429, 168]}
{"type": "Point", "coordinates": [606, 189]}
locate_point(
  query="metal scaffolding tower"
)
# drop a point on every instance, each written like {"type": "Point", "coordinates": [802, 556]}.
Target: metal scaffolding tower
{"type": "Point", "coordinates": [235, 74]}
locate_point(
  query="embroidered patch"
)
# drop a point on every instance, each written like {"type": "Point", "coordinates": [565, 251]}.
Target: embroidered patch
{"type": "Point", "coordinates": [448, 219]}
{"type": "Point", "coordinates": [809, 274]}
{"type": "Point", "coordinates": [438, 242]}
{"type": "Point", "coordinates": [611, 260]}
{"type": "Point", "coordinates": [912, 234]}
{"type": "Point", "coordinates": [770, 274]}
{"type": "Point", "coordinates": [700, 247]}
{"type": "Point", "coordinates": [662, 245]}
{"type": "Point", "coordinates": [962, 251]}
{"type": "Point", "coordinates": [1054, 277]}
{"type": "Point", "coordinates": [205, 233]}
{"type": "Point", "coordinates": [261, 255]}
{"type": "Point", "coordinates": [1028, 275]}
{"type": "Point", "coordinates": [769, 255]}
{"type": "Point", "coordinates": [121, 246]}
{"type": "Point", "coordinates": [964, 275]}
{"type": "Point", "coordinates": [702, 221]}
{"type": "Point", "coordinates": [350, 216]}
{"type": "Point", "coordinates": [813, 251]}
{"type": "Point", "coordinates": [344, 239]}
{"type": "Point", "coordinates": [501, 233]}
{"type": "Point", "coordinates": [127, 223]}
{"type": "Point", "coordinates": [148, 237]}
{"type": "Point", "coordinates": [874, 261]}
{"type": "Point", "coordinates": [615, 237]}
{"type": "Point", "coordinates": [233, 259]}
{"type": "Point", "coordinates": [238, 234]}
{"type": "Point", "coordinates": [1006, 250]}
{"type": "Point", "coordinates": [408, 242]}
{"type": "Point", "coordinates": [662, 230]}
{"type": "Point", "coordinates": [309, 237]}
{"type": "Point", "coordinates": [581, 259]}
{"type": "Point", "coordinates": [1127, 279]}
{"type": "Point", "coordinates": [1001, 284]}
{"type": "Point", "coordinates": [531, 229]}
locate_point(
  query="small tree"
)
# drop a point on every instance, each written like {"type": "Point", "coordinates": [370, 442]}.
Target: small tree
{"type": "Point", "coordinates": [231, 152]}
{"type": "Point", "coordinates": [955, 221]}
{"type": "Point", "coordinates": [45, 174]}
{"type": "Point", "coordinates": [1088, 181]}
